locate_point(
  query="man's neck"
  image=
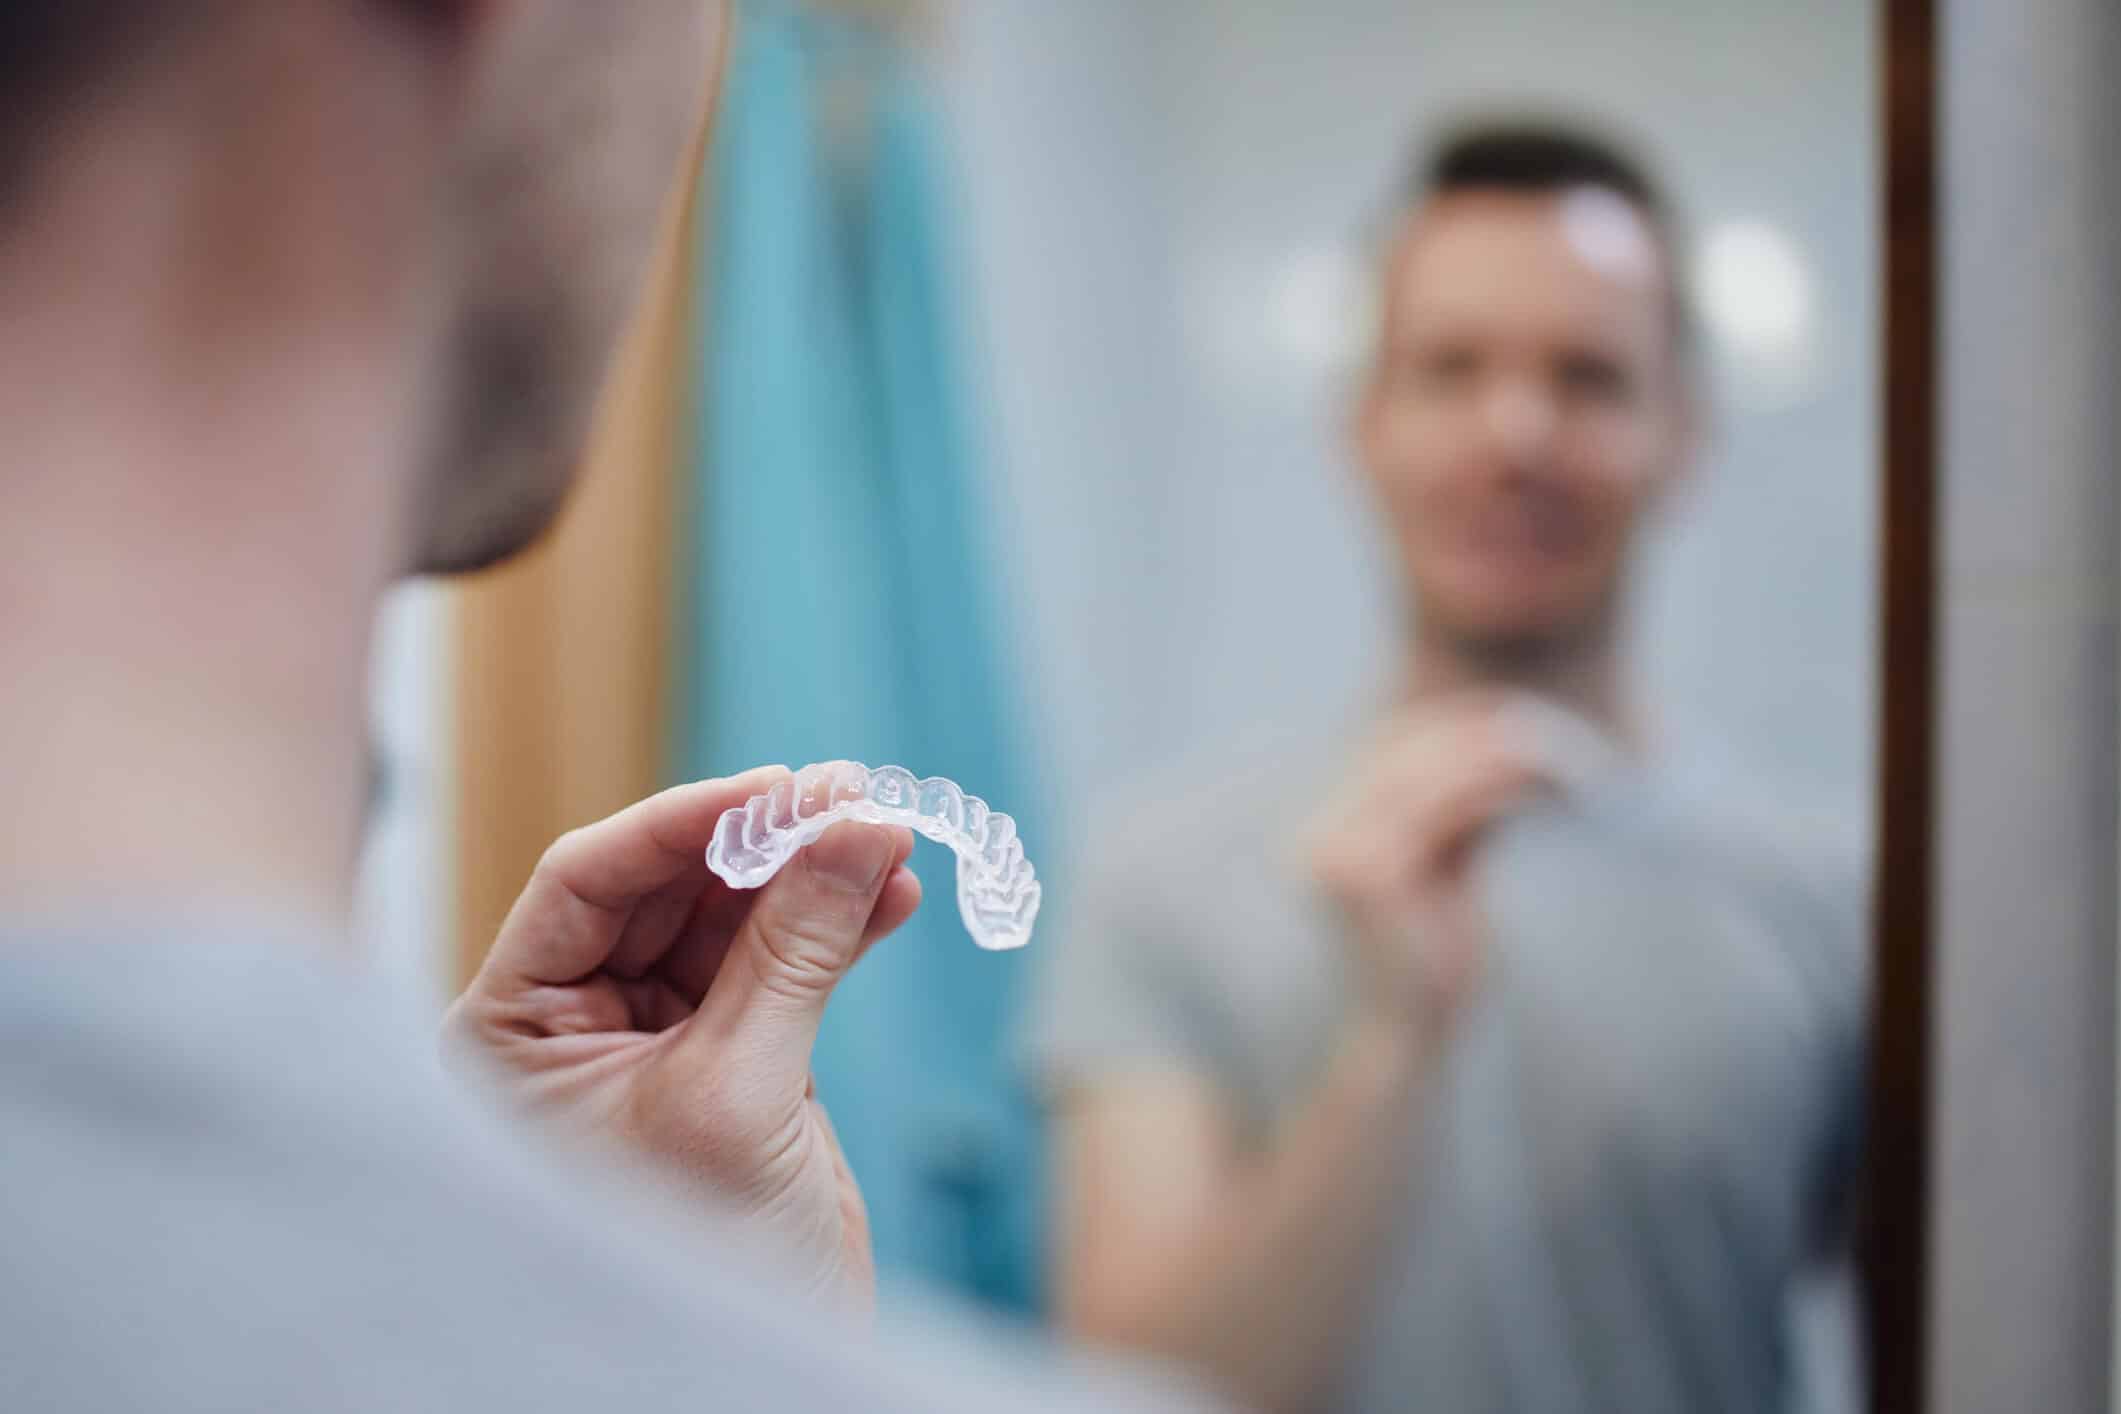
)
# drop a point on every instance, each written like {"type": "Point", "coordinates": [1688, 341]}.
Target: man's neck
{"type": "Point", "coordinates": [201, 498]}
{"type": "Point", "coordinates": [1585, 675]}
{"type": "Point", "coordinates": [184, 716]}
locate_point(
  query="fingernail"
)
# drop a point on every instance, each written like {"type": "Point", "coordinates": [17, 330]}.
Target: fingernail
{"type": "Point", "coordinates": [852, 856]}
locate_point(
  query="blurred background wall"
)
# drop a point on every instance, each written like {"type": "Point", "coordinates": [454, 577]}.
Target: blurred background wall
{"type": "Point", "coordinates": [1154, 228]}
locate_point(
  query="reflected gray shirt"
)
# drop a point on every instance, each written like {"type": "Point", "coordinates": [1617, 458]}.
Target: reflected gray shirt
{"type": "Point", "coordinates": [232, 1177]}
{"type": "Point", "coordinates": [1631, 1191]}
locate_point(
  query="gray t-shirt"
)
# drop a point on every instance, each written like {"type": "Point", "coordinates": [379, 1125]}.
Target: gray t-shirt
{"type": "Point", "coordinates": [232, 1177]}
{"type": "Point", "coordinates": [1631, 1189]}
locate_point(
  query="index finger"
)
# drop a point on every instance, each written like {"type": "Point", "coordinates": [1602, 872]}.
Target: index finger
{"type": "Point", "coordinates": [574, 910]}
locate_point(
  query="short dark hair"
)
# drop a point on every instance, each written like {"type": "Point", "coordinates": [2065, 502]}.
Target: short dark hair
{"type": "Point", "coordinates": [51, 50]}
{"type": "Point", "coordinates": [1539, 157]}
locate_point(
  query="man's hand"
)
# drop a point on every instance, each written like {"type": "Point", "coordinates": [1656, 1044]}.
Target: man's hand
{"type": "Point", "coordinates": [1392, 848]}
{"type": "Point", "coordinates": [633, 994]}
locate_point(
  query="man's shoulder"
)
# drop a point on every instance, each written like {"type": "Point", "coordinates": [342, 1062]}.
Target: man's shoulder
{"type": "Point", "coordinates": [1789, 836]}
{"type": "Point", "coordinates": [1710, 846]}
{"type": "Point", "coordinates": [251, 1167]}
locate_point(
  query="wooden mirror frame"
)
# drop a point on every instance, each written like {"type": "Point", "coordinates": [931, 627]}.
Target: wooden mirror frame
{"type": "Point", "coordinates": [1895, 1240]}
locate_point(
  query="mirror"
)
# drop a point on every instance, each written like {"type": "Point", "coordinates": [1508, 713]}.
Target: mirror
{"type": "Point", "coordinates": [1184, 222]}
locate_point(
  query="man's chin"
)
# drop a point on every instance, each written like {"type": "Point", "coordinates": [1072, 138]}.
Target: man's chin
{"type": "Point", "coordinates": [467, 538]}
{"type": "Point", "coordinates": [1519, 637]}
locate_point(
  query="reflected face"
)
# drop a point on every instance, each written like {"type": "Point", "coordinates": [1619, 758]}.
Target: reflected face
{"type": "Point", "coordinates": [1526, 411]}
{"type": "Point", "coordinates": [579, 123]}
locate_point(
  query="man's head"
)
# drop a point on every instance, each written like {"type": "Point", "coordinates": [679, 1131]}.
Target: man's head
{"type": "Point", "coordinates": [1530, 400]}
{"type": "Point", "coordinates": [547, 135]}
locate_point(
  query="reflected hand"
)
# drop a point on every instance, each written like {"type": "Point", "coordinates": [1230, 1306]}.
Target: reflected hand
{"type": "Point", "coordinates": [632, 994]}
{"type": "Point", "coordinates": [1393, 848]}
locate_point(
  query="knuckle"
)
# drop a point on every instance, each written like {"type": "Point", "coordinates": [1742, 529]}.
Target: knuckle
{"type": "Point", "coordinates": [802, 955]}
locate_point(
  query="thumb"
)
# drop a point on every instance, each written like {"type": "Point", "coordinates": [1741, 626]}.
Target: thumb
{"type": "Point", "coordinates": [800, 937]}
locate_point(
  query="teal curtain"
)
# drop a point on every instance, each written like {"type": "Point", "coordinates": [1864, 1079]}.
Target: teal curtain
{"type": "Point", "coordinates": [842, 605]}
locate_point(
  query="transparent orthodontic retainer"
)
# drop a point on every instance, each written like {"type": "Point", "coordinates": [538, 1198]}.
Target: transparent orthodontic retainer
{"type": "Point", "coordinates": [997, 889]}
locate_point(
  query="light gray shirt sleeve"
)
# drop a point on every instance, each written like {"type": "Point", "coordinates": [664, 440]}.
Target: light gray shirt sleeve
{"type": "Point", "coordinates": [1110, 996]}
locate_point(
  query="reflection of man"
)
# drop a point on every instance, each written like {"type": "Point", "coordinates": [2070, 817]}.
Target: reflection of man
{"type": "Point", "coordinates": [296, 294]}
{"type": "Point", "coordinates": [1409, 1107]}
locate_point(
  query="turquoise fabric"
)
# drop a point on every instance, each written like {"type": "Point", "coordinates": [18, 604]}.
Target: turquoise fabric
{"type": "Point", "coordinates": [841, 606]}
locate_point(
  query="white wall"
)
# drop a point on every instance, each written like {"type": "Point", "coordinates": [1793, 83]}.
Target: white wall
{"type": "Point", "coordinates": [404, 901]}
{"type": "Point", "coordinates": [1170, 206]}
{"type": "Point", "coordinates": [1058, 126]}
{"type": "Point", "coordinates": [2022, 1280]}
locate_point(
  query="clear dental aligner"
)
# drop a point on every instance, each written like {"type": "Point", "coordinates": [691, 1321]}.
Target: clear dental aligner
{"type": "Point", "coordinates": [997, 890]}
